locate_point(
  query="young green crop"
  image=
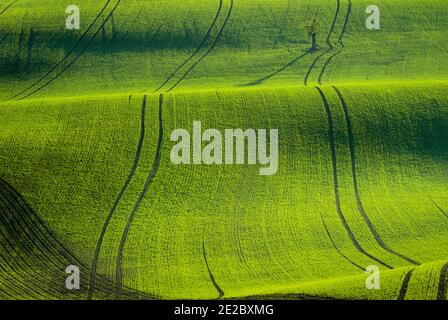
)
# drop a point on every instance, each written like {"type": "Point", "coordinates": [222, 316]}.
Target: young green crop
{"type": "Point", "coordinates": [85, 123]}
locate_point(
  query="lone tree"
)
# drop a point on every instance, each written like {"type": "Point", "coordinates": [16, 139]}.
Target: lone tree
{"type": "Point", "coordinates": [312, 28]}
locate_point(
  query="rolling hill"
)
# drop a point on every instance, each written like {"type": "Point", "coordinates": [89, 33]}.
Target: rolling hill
{"type": "Point", "coordinates": [86, 177]}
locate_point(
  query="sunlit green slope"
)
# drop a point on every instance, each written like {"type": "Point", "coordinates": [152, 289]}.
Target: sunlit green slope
{"type": "Point", "coordinates": [85, 170]}
{"type": "Point", "coordinates": [253, 234]}
{"type": "Point", "coordinates": [138, 45]}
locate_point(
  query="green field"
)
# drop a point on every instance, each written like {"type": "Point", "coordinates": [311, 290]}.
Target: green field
{"type": "Point", "coordinates": [86, 177]}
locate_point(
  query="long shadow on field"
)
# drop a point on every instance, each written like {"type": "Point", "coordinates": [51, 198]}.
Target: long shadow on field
{"type": "Point", "coordinates": [32, 260]}
{"type": "Point", "coordinates": [283, 68]}
{"type": "Point", "coordinates": [71, 52]}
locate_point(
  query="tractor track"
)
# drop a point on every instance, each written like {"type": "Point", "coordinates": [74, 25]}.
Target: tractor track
{"type": "Point", "coordinates": [340, 41]}
{"type": "Point", "coordinates": [328, 41]}
{"type": "Point", "coordinates": [24, 246]}
{"type": "Point", "coordinates": [7, 7]}
{"type": "Point", "coordinates": [21, 216]}
{"type": "Point", "coordinates": [44, 231]}
{"type": "Point", "coordinates": [440, 208]}
{"type": "Point", "coordinates": [26, 239]}
{"type": "Point", "coordinates": [71, 51]}
{"type": "Point", "coordinates": [405, 285]}
{"type": "Point", "coordinates": [81, 53]}
{"type": "Point", "coordinates": [21, 224]}
{"type": "Point", "coordinates": [201, 45]}
{"type": "Point", "coordinates": [443, 283]}
{"type": "Point", "coordinates": [14, 255]}
{"type": "Point", "coordinates": [117, 201]}
{"type": "Point", "coordinates": [67, 55]}
{"type": "Point", "coordinates": [209, 50]}
{"type": "Point", "coordinates": [212, 278]}
{"type": "Point", "coordinates": [336, 184]}
{"type": "Point", "coordinates": [351, 143]}
{"type": "Point", "coordinates": [148, 182]}
{"type": "Point", "coordinates": [339, 251]}
{"type": "Point", "coordinates": [18, 283]}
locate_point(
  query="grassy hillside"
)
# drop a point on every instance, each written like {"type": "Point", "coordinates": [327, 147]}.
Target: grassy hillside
{"type": "Point", "coordinates": [85, 170]}
{"type": "Point", "coordinates": [135, 46]}
{"type": "Point", "coordinates": [253, 232]}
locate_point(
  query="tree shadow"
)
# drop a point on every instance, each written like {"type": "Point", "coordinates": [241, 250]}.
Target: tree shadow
{"type": "Point", "coordinates": [286, 66]}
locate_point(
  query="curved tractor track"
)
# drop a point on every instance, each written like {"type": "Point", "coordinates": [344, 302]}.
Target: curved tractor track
{"type": "Point", "coordinates": [342, 218]}
{"type": "Point", "coordinates": [68, 55]}
{"type": "Point", "coordinates": [198, 49]}
{"type": "Point", "coordinates": [209, 50]}
{"type": "Point", "coordinates": [337, 249]}
{"type": "Point", "coordinates": [212, 277]}
{"type": "Point", "coordinates": [33, 260]}
{"type": "Point", "coordinates": [405, 284]}
{"type": "Point", "coordinates": [351, 143]}
{"type": "Point", "coordinates": [148, 182]}
{"type": "Point", "coordinates": [7, 7]}
{"type": "Point", "coordinates": [340, 41]}
{"type": "Point", "coordinates": [328, 42]}
{"type": "Point", "coordinates": [119, 259]}
{"type": "Point", "coordinates": [443, 283]}
{"type": "Point", "coordinates": [117, 201]}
